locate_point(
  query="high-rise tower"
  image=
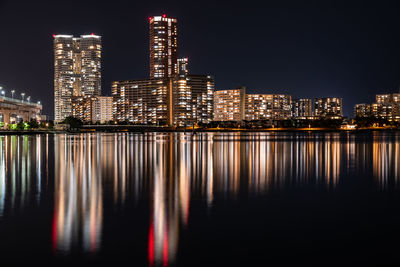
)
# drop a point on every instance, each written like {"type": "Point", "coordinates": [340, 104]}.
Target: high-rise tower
{"type": "Point", "coordinates": [77, 71]}
{"type": "Point", "coordinates": [163, 47]}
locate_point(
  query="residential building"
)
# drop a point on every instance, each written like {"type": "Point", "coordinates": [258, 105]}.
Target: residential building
{"type": "Point", "coordinates": [229, 105]}
{"type": "Point", "coordinates": [183, 100]}
{"type": "Point", "coordinates": [141, 101]}
{"type": "Point", "coordinates": [192, 99]}
{"type": "Point", "coordinates": [328, 107]}
{"type": "Point", "coordinates": [163, 46]}
{"type": "Point", "coordinates": [77, 71]}
{"type": "Point", "coordinates": [267, 106]}
{"type": "Point", "coordinates": [103, 109]}
{"type": "Point", "coordinates": [386, 106]}
{"type": "Point", "coordinates": [362, 110]}
{"type": "Point", "coordinates": [302, 108]}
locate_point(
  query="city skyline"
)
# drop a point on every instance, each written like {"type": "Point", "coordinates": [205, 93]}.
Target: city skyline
{"type": "Point", "coordinates": [326, 73]}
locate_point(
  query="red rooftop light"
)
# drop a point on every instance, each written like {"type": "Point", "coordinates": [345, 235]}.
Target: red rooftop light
{"type": "Point", "coordinates": [164, 16]}
{"type": "Point", "coordinates": [150, 18]}
{"type": "Point", "coordinates": [54, 36]}
{"type": "Point", "coordinates": [92, 33]}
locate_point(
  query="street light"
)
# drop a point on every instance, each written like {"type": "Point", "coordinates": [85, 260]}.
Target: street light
{"type": "Point", "coordinates": [28, 98]}
{"type": "Point", "coordinates": [12, 94]}
{"type": "Point", "coordinates": [3, 92]}
{"type": "Point", "coordinates": [23, 96]}
{"type": "Point", "coordinates": [38, 102]}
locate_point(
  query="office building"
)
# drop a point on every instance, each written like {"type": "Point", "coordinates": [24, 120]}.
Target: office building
{"type": "Point", "coordinates": [77, 71]}
{"type": "Point", "coordinates": [302, 108]}
{"type": "Point", "coordinates": [328, 108]}
{"type": "Point", "coordinates": [163, 47]}
{"type": "Point", "coordinates": [229, 105]}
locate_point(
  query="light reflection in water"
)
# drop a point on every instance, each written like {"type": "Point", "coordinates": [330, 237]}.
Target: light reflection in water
{"type": "Point", "coordinates": [171, 170]}
{"type": "Point", "coordinates": [21, 171]}
{"type": "Point", "coordinates": [78, 204]}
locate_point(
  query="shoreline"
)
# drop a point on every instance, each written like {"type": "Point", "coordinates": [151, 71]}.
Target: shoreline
{"type": "Point", "coordinates": [135, 129]}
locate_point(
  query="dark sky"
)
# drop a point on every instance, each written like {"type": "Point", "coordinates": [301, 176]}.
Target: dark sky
{"type": "Point", "coordinates": [348, 49]}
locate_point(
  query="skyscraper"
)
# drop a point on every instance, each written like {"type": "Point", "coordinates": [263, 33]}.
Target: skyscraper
{"type": "Point", "coordinates": [77, 71]}
{"type": "Point", "coordinates": [163, 47]}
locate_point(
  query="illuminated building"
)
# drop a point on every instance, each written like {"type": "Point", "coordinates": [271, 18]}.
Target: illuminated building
{"type": "Point", "coordinates": [236, 105]}
{"type": "Point", "coordinates": [141, 101]}
{"type": "Point", "coordinates": [171, 96]}
{"type": "Point", "coordinates": [386, 106]}
{"type": "Point", "coordinates": [328, 107]}
{"type": "Point", "coordinates": [180, 101]}
{"type": "Point", "coordinates": [267, 106]}
{"type": "Point", "coordinates": [192, 99]}
{"type": "Point", "coordinates": [77, 70]}
{"type": "Point", "coordinates": [102, 109]}
{"type": "Point", "coordinates": [163, 47]}
{"type": "Point", "coordinates": [229, 105]}
{"type": "Point", "coordinates": [302, 108]}
{"type": "Point", "coordinates": [362, 110]}
{"type": "Point", "coordinates": [82, 107]}
{"type": "Point", "coordinates": [182, 66]}
{"type": "Point", "coordinates": [388, 111]}
{"type": "Point", "coordinates": [92, 108]}
{"type": "Point", "coordinates": [388, 98]}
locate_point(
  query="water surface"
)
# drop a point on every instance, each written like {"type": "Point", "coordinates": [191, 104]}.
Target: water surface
{"type": "Point", "coordinates": [211, 199]}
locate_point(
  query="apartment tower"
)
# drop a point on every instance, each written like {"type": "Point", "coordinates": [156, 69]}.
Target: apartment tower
{"type": "Point", "coordinates": [163, 47]}
{"type": "Point", "coordinates": [77, 71]}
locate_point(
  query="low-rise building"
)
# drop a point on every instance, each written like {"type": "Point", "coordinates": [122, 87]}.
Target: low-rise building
{"type": "Point", "coordinates": [92, 108]}
{"type": "Point", "coordinates": [328, 108]}
{"type": "Point", "coordinates": [267, 106]}
{"type": "Point", "coordinates": [362, 110]}
{"type": "Point", "coordinates": [229, 105]}
{"type": "Point", "coordinates": [302, 108]}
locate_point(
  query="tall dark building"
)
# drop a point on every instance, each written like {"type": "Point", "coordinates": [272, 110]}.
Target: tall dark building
{"type": "Point", "coordinates": [163, 47]}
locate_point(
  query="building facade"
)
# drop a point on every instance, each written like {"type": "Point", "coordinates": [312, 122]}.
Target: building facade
{"type": "Point", "coordinates": [92, 108]}
{"type": "Point", "coordinates": [77, 71]}
{"type": "Point", "coordinates": [141, 101]}
{"type": "Point", "coordinates": [267, 106]}
{"type": "Point", "coordinates": [386, 106]}
{"type": "Point", "coordinates": [192, 99]}
{"type": "Point", "coordinates": [362, 110]}
{"type": "Point", "coordinates": [103, 109]}
{"type": "Point", "coordinates": [183, 100]}
{"type": "Point", "coordinates": [229, 105]}
{"type": "Point", "coordinates": [163, 33]}
{"type": "Point", "coordinates": [328, 108]}
{"type": "Point", "coordinates": [301, 108]}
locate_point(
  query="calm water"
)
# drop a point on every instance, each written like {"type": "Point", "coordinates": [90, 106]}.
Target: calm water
{"type": "Point", "coordinates": [267, 199]}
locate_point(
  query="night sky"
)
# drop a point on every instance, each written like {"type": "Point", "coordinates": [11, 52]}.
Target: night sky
{"type": "Point", "coordinates": [348, 49]}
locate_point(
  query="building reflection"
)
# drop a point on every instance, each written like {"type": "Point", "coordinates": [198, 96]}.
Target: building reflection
{"type": "Point", "coordinates": [385, 160]}
{"type": "Point", "coordinates": [78, 203]}
{"type": "Point", "coordinates": [22, 171]}
{"type": "Point", "coordinates": [171, 169]}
